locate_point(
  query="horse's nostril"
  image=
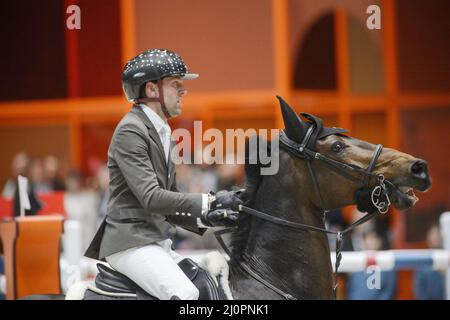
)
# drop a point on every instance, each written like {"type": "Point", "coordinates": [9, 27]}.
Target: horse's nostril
{"type": "Point", "coordinates": [419, 169]}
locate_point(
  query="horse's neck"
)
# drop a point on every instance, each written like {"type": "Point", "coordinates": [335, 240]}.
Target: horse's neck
{"type": "Point", "coordinates": [296, 260]}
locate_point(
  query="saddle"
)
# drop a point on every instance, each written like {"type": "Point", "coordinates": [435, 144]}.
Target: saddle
{"type": "Point", "coordinates": [113, 284]}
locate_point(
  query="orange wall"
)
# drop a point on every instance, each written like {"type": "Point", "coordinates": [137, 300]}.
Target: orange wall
{"type": "Point", "coordinates": [426, 134]}
{"type": "Point", "coordinates": [228, 42]}
{"type": "Point", "coordinates": [371, 127]}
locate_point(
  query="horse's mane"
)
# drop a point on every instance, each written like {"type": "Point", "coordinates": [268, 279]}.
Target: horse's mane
{"type": "Point", "coordinates": [239, 237]}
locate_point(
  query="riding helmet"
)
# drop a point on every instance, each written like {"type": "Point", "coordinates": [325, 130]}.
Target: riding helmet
{"type": "Point", "coordinates": [151, 65]}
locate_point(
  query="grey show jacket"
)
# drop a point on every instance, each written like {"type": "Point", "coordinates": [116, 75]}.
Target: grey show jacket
{"type": "Point", "coordinates": [143, 196]}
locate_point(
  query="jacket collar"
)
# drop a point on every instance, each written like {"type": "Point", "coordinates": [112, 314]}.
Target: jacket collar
{"type": "Point", "coordinates": [155, 119]}
{"type": "Point", "coordinates": [137, 110]}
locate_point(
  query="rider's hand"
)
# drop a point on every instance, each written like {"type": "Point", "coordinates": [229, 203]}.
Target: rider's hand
{"type": "Point", "coordinates": [226, 200]}
{"type": "Point", "coordinates": [220, 217]}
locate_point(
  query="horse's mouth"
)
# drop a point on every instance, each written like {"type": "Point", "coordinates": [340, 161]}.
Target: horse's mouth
{"type": "Point", "coordinates": [402, 197]}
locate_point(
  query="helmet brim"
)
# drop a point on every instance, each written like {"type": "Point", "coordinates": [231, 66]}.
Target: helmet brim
{"type": "Point", "coordinates": [190, 76]}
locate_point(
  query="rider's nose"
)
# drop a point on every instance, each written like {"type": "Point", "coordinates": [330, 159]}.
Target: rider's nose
{"type": "Point", "coordinates": [183, 92]}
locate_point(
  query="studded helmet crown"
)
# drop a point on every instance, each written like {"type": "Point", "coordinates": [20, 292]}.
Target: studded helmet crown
{"type": "Point", "coordinates": [152, 65]}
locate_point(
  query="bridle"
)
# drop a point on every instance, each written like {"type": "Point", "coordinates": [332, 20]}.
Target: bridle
{"type": "Point", "coordinates": [379, 195]}
{"type": "Point", "coordinates": [379, 198]}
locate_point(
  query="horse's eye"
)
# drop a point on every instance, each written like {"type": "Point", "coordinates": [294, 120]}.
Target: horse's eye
{"type": "Point", "coordinates": [337, 147]}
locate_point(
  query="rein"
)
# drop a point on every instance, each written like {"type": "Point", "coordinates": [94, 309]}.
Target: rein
{"type": "Point", "coordinates": [295, 225]}
{"type": "Point", "coordinates": [379, 198]}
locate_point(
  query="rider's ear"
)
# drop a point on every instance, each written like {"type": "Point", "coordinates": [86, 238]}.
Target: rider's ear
{"type": "Point", "coordinates": [151, 90]}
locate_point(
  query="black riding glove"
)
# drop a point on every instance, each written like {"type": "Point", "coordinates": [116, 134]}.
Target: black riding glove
{"type": "Point", "coordinates": [220, 218]}
{"type": "Point", "coordinates": [226, 200]}
{"type": "Point", "coordinates": [224, 209]}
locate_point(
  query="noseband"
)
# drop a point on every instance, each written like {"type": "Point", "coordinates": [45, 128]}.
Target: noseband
{"type": "Point", "coordinates": [373, 201]}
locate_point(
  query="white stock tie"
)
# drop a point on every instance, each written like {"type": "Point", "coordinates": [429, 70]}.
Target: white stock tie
{"type": "Point", "coordinates": [165, 137]}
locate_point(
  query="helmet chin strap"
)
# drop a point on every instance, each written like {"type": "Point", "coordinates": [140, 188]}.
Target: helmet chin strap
{"type": "Point", "coordinates": [159, 99]}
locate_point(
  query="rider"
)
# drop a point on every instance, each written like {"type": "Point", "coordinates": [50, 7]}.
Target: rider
{"type": "Point", "coordinates": [135, 237]}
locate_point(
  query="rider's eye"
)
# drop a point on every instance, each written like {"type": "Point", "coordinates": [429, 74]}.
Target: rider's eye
{"type": "Point", "coordinates": [337, 147]}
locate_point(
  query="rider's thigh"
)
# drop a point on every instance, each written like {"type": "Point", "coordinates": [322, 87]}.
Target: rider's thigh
{"type": "Point", "coordinates": [167, 246]}
{"type": "Point", "coordinates": [155, 271]}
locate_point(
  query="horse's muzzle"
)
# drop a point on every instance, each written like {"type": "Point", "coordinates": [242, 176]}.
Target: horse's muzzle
{"type": "Point", "coordinates": [419, 172]}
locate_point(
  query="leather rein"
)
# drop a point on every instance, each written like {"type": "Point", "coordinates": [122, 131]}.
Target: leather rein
{"type": "Point", "coordinates": [379, 198]}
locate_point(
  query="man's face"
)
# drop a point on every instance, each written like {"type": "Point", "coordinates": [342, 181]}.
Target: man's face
{"type": "Point", "coordinates": [173, 93]}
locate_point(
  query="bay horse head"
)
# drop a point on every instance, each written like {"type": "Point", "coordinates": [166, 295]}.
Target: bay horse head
{"type": "Point", "coordinates": [349, 169]}
{"type": "Point", "coordinates": [320, 169]}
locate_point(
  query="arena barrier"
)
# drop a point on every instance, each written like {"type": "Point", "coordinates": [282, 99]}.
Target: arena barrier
{"type": "Point", "coordinates": [355, 261]}
{"type": "Point", "coordinates": [412, 259]}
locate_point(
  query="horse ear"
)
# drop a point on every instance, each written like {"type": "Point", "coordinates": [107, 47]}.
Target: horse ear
{"type": "Point", "coordinates": [294, 127]}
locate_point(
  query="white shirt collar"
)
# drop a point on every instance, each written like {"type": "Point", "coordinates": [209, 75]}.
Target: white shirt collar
{"type": "Point", "coordinates": [154, 118]}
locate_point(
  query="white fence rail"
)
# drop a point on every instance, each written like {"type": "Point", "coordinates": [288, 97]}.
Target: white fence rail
{"type": "Point", "coordinates": [355, 261]}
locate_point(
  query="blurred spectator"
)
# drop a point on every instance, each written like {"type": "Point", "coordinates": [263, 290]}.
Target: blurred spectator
{"type": "Point", "coordinates": [185, 176]}
{"type": "Point", "coordinates": [358, 234]}
{"type": "Point", "coordinates": [207, 172]}
{"type": "Point", "coordinates": [73, 181]}
{"type": "Point", "coordinates": [35, 203]}
{"type": "Point", "coordinates": [198, 178]}
{"type": "Point", "coordinates": [430, 284]}
{"type": "Point", "coordinates": [382, 225]}
{"type": "Point", "coordinates": [334, 221]}
{"type": "Point", "coordinates": [81, 205]}
{"type": "Point", "coordinates": [51, 173]}
{"type": "Point", "coordinates": [37, 176]}
{"type": "Point", "coordinates": [231, 176]}
{"type": "Point", "coordinates": [352, 240]}
{"type": "Point", "coordinates": [357, 284]}
{"type": "Point", "coordinates": [19, 166]}
{"type": "Point", "coordinates": [195, 178]}
{"type": "Point", "coordinates": [208, 178]}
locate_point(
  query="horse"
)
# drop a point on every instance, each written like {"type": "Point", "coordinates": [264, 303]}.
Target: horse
{"type": "Point", "coordinates": [279, 246]}
{"type": "Point", "coordinates": [320, 169]}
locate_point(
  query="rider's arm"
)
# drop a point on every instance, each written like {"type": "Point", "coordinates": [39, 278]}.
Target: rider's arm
{"type": "Point", "coordinates": [131, 153]}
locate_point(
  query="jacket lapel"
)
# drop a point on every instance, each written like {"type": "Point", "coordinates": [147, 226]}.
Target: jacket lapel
{"type": "Point", "coordinates": [151, 131]}
{"type": "Point", "coordinates": [171, 164]}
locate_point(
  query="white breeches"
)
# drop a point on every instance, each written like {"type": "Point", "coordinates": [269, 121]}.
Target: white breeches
{"type": "Point", "coordinates": [154, 268]}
